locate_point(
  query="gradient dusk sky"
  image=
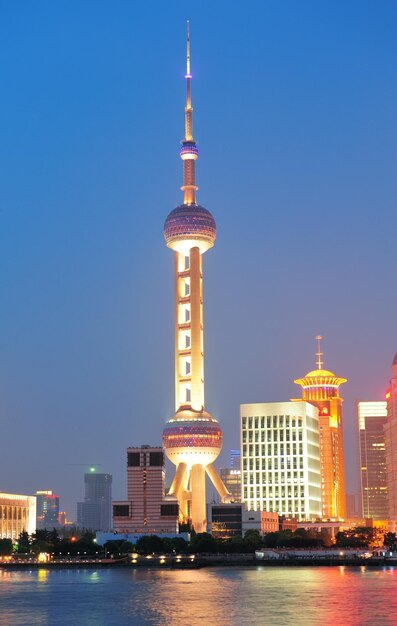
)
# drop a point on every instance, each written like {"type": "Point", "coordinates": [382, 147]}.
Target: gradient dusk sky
{"type": "Point", "coordinates": [295, 117]}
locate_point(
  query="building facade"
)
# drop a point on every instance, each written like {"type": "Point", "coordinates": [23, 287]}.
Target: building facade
{"type": "Point", "coordinates": [281, 458]}
{"type": "Point", "coordinates": [390, 430]}
{"type": "Point", "coordinates": [192, 438]}
{"type": "Point", "coordinates": [146, 510]}
{"type": "Point", "coordinates": [47, 512]}
{"type": "Point", "coordinates": [321, 388]}
{"type": "Point", "coordinates": [95, 513]}
{"type": "Point", "coordinates": [233, 519]}
{"type": "Point", "coordinates": [371, 421]}
{"type": "Point", "coordinates": [17, 514]}
{"type": "Point", "coordinates": [232, 480]}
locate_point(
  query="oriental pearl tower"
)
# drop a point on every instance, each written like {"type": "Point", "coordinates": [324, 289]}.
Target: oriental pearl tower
{"type": "Point", "coordinates": [192, 438]}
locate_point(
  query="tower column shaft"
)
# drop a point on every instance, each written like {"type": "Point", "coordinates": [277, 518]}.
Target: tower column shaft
{"type": "Point", "coordinates": [177, 334]}
{"type": "Point", "coordinates": [197, 510]}
{"type": "Point", "coordinates": [197, 394]}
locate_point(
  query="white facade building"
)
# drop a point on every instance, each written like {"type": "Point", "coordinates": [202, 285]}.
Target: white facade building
{"type": "Point", "coordinates": [17, 513]}
{"type": "Point", "coordinates": [280, 455]}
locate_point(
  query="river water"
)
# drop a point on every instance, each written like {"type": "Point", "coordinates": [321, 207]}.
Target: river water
{"type": "Point", "coordinates": [235, 596]}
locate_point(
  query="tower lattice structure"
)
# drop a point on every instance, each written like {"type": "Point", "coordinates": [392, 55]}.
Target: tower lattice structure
{"type": "Point", "coordinates": [192, 438]}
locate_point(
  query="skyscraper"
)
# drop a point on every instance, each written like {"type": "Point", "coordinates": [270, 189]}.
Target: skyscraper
{"type": "Point", "coordinates": [95, 513]}
{"type": "Point", "coordinates": [145, 511]}
{"type": "Point", "coordinates": [47, 511]}
{"type": "Point", "coordinates": [321, 388]}
{"type": "Point", "coordinates": [371, 420]}
{"type": "Point", "coordinates": [192, 438]}
{"type": "Point", "coordinates": [281, 458]}
{"type": "Point", "coordinates": [391, 442]}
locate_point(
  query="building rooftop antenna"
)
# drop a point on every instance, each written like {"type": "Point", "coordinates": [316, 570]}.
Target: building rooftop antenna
{"type": "Point", "coordinates": [319, 354]}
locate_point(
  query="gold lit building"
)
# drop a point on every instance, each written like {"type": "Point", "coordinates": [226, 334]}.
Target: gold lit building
{"type": "Point", "coordinates": [321, 388]}
{"type": "Point", "coordinates": [192, 438]}
{"type": "Point", "coordinates": [17, 513]}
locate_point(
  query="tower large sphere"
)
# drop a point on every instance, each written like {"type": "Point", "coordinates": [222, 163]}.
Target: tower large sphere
{"type": "Point", "coordinates": [192, 441]}
{"type": "Point", "coordinates": [190, 224]}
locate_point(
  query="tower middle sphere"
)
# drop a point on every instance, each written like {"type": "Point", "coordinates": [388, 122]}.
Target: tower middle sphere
{"type": "Point", "coordinates": [190, 225]}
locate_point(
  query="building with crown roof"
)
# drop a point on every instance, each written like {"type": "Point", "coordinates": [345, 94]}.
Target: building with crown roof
{"type": "Point", "coordinates": [192, 438]}
{"type": "Point", "coordinates": [390, 430]}
{"type": "Point", "coordinates": [321, 388]}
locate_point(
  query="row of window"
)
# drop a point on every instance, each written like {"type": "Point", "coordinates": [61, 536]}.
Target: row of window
{"type": "Point", "coordinates": [275, 421]}
{"type": "Point", "coordinates": [272, 450]}
{"type": "Point", "coordinates": [271, 435]}
{"type": "Point", "coordinates": [272, 464]}
{"type": "Point", "coordinates": [269, 478]}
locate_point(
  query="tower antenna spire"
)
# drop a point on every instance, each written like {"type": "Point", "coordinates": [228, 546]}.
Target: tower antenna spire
{"type": "Point", "coordinates": [319, 354]}
{"type": "Point", "coordinates": [188, 49]}
{"type": "Point", "coordinates": [189, 152]}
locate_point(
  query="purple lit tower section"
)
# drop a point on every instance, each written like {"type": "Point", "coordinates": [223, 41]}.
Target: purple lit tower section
{"type": "Point", "coordinates": [192, 438]}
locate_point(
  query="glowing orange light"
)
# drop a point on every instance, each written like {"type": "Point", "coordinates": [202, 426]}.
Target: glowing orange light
{"type": "Point", "coordinates": [387, 395]}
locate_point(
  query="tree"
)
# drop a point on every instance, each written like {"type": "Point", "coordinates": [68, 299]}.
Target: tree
{"type": "Point", "coordinates": [5, 547]}
{"type": "Point", "coordinates": [118, 547]}
{"type": "Point", "coordinates": [147, 544]}
{"type": "Point", "coordinates": [252, 540]}
{"type": "Point", "coordinates": [24, 543]}
{"type": "Point", "coordinates": [390, 539]}
{"type": "Point", "coordinates": [203, 542]}
{"type": "Point", "coordinates": [360, 537]}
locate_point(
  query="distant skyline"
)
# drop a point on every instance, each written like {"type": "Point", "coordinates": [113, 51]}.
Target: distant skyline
{"type": "Point", "coordinates": [294, 113]}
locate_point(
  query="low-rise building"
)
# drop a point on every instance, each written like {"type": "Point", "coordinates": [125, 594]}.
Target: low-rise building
{"type": "Point", "coordinates": [233, 519]}
{"type": "Point", "coordinates": [17, 514]}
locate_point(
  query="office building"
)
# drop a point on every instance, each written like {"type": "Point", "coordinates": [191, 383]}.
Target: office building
{"type": "Point", "coordinates": [391, 443]}
{"type": "Point", "coordinates": [192, 438]}
{"type": "Point", "coordinates": [95, 513]}
{"type": "Point", "coordinates": [232, 480]}
{"type": "Point", "coordinates": [235, 459]}
{"type": "Point", "coordinates": [146, 510]}
{"type": "Point", "coordinates": [371, 421]}
{"type": "Point", "coordinates": [353, 506]}
{"type": "Point", "coordinates": [233, 519]}
{"type": "Point", "coordinates": [17, 514]}
{"type": "Point", "coordinates": [47, 512]}
{"type": "Point", "coordinates": [321, 388]}
{"type": "Point", "coordinates": [281, 458]}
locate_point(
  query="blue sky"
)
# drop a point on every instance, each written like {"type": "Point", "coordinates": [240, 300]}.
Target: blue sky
{"type": "Point", "coordinates": [294, 114]}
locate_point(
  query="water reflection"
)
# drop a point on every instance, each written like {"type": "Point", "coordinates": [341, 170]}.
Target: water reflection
{"type": "Point", "coordinates": [280, 596]}
{"type": "Point", "coordinates": [42, 575]}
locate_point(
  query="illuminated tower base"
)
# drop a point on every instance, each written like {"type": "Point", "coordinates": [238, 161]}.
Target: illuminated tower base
{"type": "Point", "coordinates": [192, 438]}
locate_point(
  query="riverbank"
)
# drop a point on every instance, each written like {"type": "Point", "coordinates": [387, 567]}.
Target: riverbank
{"type": "Point", "coordinates": [199, 561]}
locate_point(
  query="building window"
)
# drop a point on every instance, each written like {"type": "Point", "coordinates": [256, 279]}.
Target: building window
{"type": "Point", "coordinates": [121, 510]}
{"type": "Point", "coordinates": [133, 459]}
{"type": "Point", "coordinates": [171, 510]}
{"type": "Point", "coordinates": [156, 459]}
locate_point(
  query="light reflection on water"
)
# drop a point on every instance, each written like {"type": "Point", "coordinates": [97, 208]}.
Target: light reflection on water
{"type": "Point", "coordinates": [303, 596]}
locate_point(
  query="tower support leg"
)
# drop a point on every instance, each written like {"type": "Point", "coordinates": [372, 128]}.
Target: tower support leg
{"type": "Point", "coordinates": [197, 487]}
{"type": "Point", "coordinates": [178, 488]}
{"type": "Point", "coordinates": [218, 483]}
